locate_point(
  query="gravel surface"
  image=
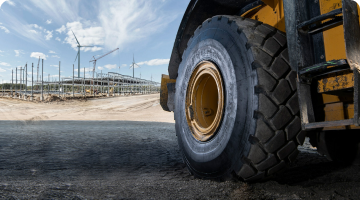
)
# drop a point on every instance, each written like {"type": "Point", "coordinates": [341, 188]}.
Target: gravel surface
{"type": "Point", "coordinates": [140, 160]}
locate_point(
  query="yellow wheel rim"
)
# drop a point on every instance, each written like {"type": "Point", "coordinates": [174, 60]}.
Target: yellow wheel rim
{"type": "Point", "coordinates": [204, 101]}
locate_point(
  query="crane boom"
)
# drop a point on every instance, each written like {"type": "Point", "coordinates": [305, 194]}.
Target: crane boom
{"type": "Point", "coordinates": [95, 59]}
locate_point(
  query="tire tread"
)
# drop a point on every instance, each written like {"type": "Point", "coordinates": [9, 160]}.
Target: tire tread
{"type": "Point", "coordinates": [267, 50]}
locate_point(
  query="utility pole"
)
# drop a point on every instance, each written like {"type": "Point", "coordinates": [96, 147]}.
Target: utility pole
{"type": "Point", "coordinates": [42, 80]}
{"type": "Point", "coordinates": [49, 88]}
{"type": "Point", "coordinates": [101, 83]}
{"type": "Point", "coordinates": [84, 84]}
{"type": "Point", "coordinates": [25, 82]}
{"type": "Point", "coordinates": [23, 74]}
{"type": "Point", "coordinates": [59, 78]}
{"type": "Point", "coordinates": [37, 80]}
{"type": "Point", "coordinates": [12, 82]}
{"type": "Point", "coordinates": [32, 82]}
{"type": "Point", "coordinates": [108, 94]}
{"type": "Point", "coordinates": [73, 81]}
{"type": "Point", "coordinates": [93, 91]}
{"type": "Point", "coordinates": [113, 86]}
{"type": "Point", "coordinates": [20, 82]}
{"type": "Point", "coordinates": [97, 85]}
{"type": "Point", "coordinates": [16, 83]}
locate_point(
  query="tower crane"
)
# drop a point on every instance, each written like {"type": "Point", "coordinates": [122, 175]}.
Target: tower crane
{"type": "Point", "coordinates": [96, 59]}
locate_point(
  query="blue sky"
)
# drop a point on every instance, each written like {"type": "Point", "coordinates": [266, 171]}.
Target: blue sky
{"type": "Point", "coordinates": [33, 28]}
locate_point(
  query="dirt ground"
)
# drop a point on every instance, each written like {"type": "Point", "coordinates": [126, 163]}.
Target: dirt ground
{"type": "Point", "coordinates": [126, 148]}
{"type": "Point", "coordinates": [130, 108]}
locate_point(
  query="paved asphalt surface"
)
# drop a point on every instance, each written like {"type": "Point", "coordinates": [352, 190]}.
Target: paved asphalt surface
{"type": "Point", "coordinates": [140, 160]}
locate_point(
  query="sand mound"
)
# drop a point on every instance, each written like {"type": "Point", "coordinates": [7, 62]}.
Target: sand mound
{"type": "Point", "coordinates": [51, 98]}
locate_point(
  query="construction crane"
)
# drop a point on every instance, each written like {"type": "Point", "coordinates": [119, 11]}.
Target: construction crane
{"type": "Point", "coordinates": [133, 66]}
{"type": "Point", "coordinates": [96, 59]}
{"type": "Point", "coordinates": [78, 54]}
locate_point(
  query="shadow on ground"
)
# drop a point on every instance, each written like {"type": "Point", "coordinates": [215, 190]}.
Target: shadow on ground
{"type": "Point", "coordinates": [140, 160]}
{"type": "Point", "coordinates": [95, 147]}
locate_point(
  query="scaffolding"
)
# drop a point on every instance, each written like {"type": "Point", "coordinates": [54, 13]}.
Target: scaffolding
{"type": "Point", "coordinates": [104, 84]}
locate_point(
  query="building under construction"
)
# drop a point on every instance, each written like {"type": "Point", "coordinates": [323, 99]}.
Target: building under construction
{"type": "Point", "coordinates": [103, 84]}
{"type": "Point", "coordinates": [109, 84]}
{"type": "Point", "coordinates": [106, 83]}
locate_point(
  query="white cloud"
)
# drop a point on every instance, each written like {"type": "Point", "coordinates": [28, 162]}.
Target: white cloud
{"type": "Point", "coordinates": [58, 39]}
{"type": "Point", "coordinates": [30, 32]}
{"type": "Point", "coordinates": [52, 51]}
{"type": "Point", "coordinates": [5, 64]}
{"type": "Point", "coordinates": [61, 29]}
{"type": "Point", "coordinates": [33, 31]}
{"type": "Point", "coordinates": [48, 21]}
{"type": "Point", "coordinates": [18, 52]}
{"type": "Point", "coordinates": [90, 36]}
{"type": "Point", "coordinates": [110, 66]}
{"type": "Point", "coordinates": [2, 70]}
{"type": "Point", "coordinates": [100, 68]}
{"type": "Point", "coordinates": [37, 55]}
{"type": "Point", "coordinates": [11, 2]}
{"type": "Point", "coordinates": [121, 22]}
{"type": "Point", "coordinates": [54, 66]}
{"type": "Point", "coordinates": [4, 29]}
{"type": "Point", "coordinates": [36, 26]}
{"type": "Point", "coordinates": [155, 62]}
{"type": "Point", "coordinates": [124, 65]}
{"type": "Point", "coordinates": [49, 35]}
{"type": "Point", "coordinates": [2, 51]}
{"type": "Point", "coordinates": [126, 21]}
{"type": "Point", "coordinates": [55, 56]}
{"type": "Point", "coordinates": [118, 22]}
{"type": "Point", "coordinates": [61, 11]}
{"type": "Point", "coordinates": [92, 49]}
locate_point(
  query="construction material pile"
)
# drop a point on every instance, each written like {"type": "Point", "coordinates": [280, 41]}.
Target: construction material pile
{"type": "Point", "coordinates": [52, 98]}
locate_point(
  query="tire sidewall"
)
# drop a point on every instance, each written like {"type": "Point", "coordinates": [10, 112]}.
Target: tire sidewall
{"type": "Point", "coordinates": [224, 151]}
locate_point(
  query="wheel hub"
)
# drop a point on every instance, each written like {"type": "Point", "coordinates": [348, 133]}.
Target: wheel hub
{"type": "Point", "coordinates": [204, 101]}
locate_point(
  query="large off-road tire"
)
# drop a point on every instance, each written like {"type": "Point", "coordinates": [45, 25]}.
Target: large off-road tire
{"type": "Point", "coordinates": [259, 128]}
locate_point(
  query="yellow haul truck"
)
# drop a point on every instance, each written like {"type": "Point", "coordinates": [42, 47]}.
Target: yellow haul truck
{"type": "Point", "coordinates": [249, 80]}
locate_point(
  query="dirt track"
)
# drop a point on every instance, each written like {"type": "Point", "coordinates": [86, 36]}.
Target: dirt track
{"type": "Point", "coordinates": [137, 159]}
